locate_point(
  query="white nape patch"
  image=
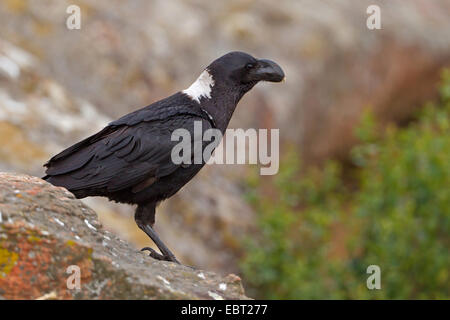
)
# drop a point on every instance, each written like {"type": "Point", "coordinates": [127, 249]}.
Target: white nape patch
{"type": "Point", "coordinates": [201, 87]}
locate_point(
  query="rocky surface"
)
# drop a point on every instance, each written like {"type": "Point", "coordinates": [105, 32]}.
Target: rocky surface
{"type": "Point", "coordinates": [44, 230]}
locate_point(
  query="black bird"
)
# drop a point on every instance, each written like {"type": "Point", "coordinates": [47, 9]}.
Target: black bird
{"type": "Point", "coordinates": [129, 161]}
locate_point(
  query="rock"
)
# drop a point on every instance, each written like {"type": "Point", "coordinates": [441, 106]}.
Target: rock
{"type": "Point", "coordinates": [44, 230]}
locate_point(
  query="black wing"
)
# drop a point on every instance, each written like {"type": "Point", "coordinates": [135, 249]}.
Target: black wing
{"type": "Point", "coordinates": [126, 152]}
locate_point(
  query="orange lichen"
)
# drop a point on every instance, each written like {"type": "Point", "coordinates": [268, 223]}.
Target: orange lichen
{"type": "Point", "coordinates": [34, 191]}
{"type": "Point", "coordinates": [36, 268]}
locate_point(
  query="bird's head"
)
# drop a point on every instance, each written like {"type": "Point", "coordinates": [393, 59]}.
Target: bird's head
{"type": "Point", "coordinates": [235, 72]}
{"type": "Point", "coordinates": [239, 68]}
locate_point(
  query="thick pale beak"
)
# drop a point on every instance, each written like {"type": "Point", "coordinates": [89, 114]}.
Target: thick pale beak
{"type": "Point", "coordinates": [267, 70]}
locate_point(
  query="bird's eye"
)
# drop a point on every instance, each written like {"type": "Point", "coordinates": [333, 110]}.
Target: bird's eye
{"type": "Point", "coordinates": [249, 66]}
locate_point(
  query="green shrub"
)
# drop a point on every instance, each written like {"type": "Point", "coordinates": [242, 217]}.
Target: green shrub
{"type": "Point", "coordinates": [318, 239]}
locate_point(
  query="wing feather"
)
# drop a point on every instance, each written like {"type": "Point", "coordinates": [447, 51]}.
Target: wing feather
{"type": "Point", "coordinates": [121, 159]}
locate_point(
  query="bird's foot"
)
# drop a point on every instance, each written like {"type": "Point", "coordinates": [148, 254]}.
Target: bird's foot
{"type": "Point", "coordinates": [158, 256]}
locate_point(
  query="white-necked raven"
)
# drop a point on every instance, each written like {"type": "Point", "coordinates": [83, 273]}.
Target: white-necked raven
{"type": "Point", "coordinates": [129, 161]}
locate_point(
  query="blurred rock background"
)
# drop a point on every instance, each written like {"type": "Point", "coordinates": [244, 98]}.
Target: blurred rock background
{"type": "Point", "coordinates": [58, 86]}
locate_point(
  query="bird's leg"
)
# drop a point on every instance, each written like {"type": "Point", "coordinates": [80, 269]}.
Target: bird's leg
{"type": "Point", "coordinates": [166, 253]}
{"type": "Point", "coordinates": [145, 219]}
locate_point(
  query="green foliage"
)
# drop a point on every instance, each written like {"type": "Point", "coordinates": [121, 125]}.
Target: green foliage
{"type": "Point", "coordinates": [319, 238]}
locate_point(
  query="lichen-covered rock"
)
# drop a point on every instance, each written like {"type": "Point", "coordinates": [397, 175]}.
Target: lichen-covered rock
{"type": "Point", "coordinates": [44, 230]}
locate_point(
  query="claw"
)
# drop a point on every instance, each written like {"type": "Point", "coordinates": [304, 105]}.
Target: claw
{"type": "Point", "coordinates": [158, 256]}
{"type": "Point", "coordinates": [153, 253]}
